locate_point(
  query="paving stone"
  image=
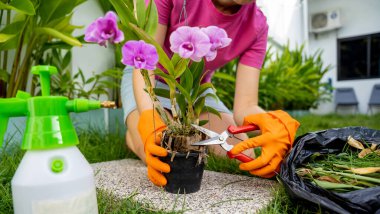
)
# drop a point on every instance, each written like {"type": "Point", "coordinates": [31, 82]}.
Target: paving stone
{"type": "Point", "coordinates": [219, 193]}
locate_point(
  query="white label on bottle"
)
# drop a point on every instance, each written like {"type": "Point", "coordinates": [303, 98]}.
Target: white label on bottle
{"type": "Point", "coordinates": [84, 203]}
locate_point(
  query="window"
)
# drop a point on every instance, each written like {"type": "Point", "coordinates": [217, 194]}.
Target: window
{"type": "Point", "coordinates": [359, 57]}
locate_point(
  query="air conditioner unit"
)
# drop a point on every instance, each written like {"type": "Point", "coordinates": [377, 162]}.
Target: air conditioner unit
{"type": "Point", "coordinates": [325, 21]}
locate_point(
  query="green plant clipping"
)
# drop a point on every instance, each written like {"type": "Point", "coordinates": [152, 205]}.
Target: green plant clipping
{"type": "Point", "coordinates": [350, 170]}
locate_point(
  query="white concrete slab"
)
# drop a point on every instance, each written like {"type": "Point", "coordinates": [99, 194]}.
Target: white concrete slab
{"type": "Point", "coordinates": [219, 193]}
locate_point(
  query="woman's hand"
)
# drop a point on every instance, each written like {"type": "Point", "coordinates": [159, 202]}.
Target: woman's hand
{"type": "Point", "coordinates": [277, 128]}
{"type": "Point", "coordinates": [150, 127]}
{"type": "Point", "coordinates": [278, 131]}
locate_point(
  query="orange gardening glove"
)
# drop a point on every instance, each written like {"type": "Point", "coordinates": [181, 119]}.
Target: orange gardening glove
{"type": "Point", "coordinates": [278, 130]}
{"type": "Point", "coordinates": [150, 128]}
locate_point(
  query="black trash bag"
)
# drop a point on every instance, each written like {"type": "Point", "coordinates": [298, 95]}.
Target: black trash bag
{"type": "Point", "coordinates": [329, 141]}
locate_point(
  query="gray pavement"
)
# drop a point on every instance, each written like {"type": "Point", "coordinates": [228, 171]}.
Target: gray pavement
{"type": "Point", "coordinates": [219, 193]}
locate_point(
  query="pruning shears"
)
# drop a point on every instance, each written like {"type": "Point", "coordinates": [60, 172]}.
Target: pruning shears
{"type": "Point", "coordinates": [221, 139]}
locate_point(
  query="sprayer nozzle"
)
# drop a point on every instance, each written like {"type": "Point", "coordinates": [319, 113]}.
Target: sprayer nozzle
{"type": "Point", "coordinates": [108, 104]}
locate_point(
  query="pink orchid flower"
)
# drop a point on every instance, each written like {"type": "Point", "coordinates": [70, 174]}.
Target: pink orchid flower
{"type": "Point", "coordinates": [190, 42]}
{"type": "Point", "coordinates": [218, 39]}
{"type": "Point", "coordinates": [140, 55]}
{"type": "Point", "coordinates": [104, 29]}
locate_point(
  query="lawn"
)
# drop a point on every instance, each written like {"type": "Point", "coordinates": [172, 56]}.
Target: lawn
{"type": "Point", "coordinates": [99, 147]}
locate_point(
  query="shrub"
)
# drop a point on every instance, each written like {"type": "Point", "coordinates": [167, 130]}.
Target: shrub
{"type": "Point", "coordinates": [34, 28]}
{"type": "Point", "coordinates": [291, 80]}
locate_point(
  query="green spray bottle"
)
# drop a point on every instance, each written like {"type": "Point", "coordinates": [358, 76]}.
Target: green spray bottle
{"type": "Point", "coordinates": [53, 176]}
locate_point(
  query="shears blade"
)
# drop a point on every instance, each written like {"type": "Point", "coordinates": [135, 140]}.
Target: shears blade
{"type": "Point", "coordinates": [211, 141]}
{"type": "Point", "coordinates": [205, 131]}
{"type": "Point", "coordinates": [221, 139]}
{"type": "Point", "coordinates": [215, 138]}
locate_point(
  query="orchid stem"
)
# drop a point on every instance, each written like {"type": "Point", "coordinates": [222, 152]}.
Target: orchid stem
{"type": "Point", "coordinates": [153, 97]}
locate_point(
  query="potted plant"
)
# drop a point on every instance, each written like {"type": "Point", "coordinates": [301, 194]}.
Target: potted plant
{"type": "Point", "coordinates": [182, 72]}
{"type": "Point", "coordinates": [186, 94]}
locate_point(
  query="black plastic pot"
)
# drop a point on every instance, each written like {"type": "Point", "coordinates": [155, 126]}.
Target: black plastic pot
{"type": "Point", "coordinates": [185, 174]}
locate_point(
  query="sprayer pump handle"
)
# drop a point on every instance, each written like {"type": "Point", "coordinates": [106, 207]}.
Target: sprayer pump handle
{"type": "Point", "coordinates": [44, 71]}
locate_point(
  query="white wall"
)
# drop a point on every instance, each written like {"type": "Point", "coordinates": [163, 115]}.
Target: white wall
{"type": "Point", "coordinates": [358, 18]}
{"type": "Point", "coordinates": [91, 58]}
{"type": "Point", "coordinates": [285, 20]}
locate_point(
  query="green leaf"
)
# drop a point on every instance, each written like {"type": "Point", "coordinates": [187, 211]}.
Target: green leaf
{"type": "Point", "coordinates": [151, 18]}
{"type": "Point", "coordinates": [187, 80]}
{"type": "Point", "coordinates": [163, 58]}
{"type": "Point", "coordinates": [183, 91]}
{"type": "Point", "coordinates": [194, 93]}
{"type": "Point", "coordinates": [19, 17]}
{"type": "Point", "coordinates": [180, 67]}
{"type": "Point", "coordinates": [4, 75]}
{"type": "Point", "coordinates": [140, 10]}
{"type": "Point", "coordinates": [63, 24]}
{"type": "Point", "coordinates": [105, 5]}
{"type": "Point", "coordinates": [196, 69]}
{"type": "Point", "coordinates": [202, 122]}
{"type": "Point", "coordinates": [58, 45]}
{"type": "Point", "coordinates": [198, 106]}
{"type": "Point", "coordinates": [212, 111]}
{"type": "Point", "coordinates": [13, 28]}
{"type": "Point", "coordinates": [128, 34]}
{"type": "Point", "coordinates": [56, 34]}
{"type": "Point", "coordinates": [204, 87]}
{"type": "Point", "coordinates": [168, 79]}
{"type": "Point", "coordinates": [6, 37]}
{"type": "Point", "coordinates": [128, 3]}
{"type": "Point", "coordinates": [213, 96]}
{"type": "Point", "coordinates": [162, 92]}
{"type": "Point", "coordinates": [78, 2]}
{"type": "Point", "coordinates": [125, 11]}
{"type": "Point", "coordinates": [66, 60]}
{"type": "Point", "coordinates": [181, 101]}
{"type": "Point", "coordinates": [225, 76]}
{"type": "Point", "coordinates": [175, 58]}
{"type": "Point", "coordinates": [90, 80]}
{"type": "Point", "coordinates": [51, 10]}
{"type": "Point", "coordinates": [22, 6]}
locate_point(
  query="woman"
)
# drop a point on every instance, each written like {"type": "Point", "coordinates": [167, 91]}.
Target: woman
{"type": "Point", "coordinates": [246, 25]}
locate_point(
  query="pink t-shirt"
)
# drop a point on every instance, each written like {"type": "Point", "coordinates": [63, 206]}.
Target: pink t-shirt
{"type": "Point", "coordinates": [247, 28]}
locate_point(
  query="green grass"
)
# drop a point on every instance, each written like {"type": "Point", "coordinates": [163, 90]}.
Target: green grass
{"type": "Point", "coordinates": [8, 166]}
{"type": "Point", "coordinates": [283, 204]}
{"type": "Point", "coordinates": [110, 204]}
{"type": "Point", "coordinates": [311, 123]}
{"type": "Point", "coordinates": [98, 146]}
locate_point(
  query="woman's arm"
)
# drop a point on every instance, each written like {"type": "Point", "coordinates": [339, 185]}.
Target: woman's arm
{"type": "Point", "coordinates": [142, 98]}
{"type": "Point", "coordinates": [278, 128]}
{"type": "Point", "coordinates": [246, 93]}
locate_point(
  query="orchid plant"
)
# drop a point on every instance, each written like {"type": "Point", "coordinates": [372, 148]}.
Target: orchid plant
{"type": "Point", "coordinates": [182, 72]}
